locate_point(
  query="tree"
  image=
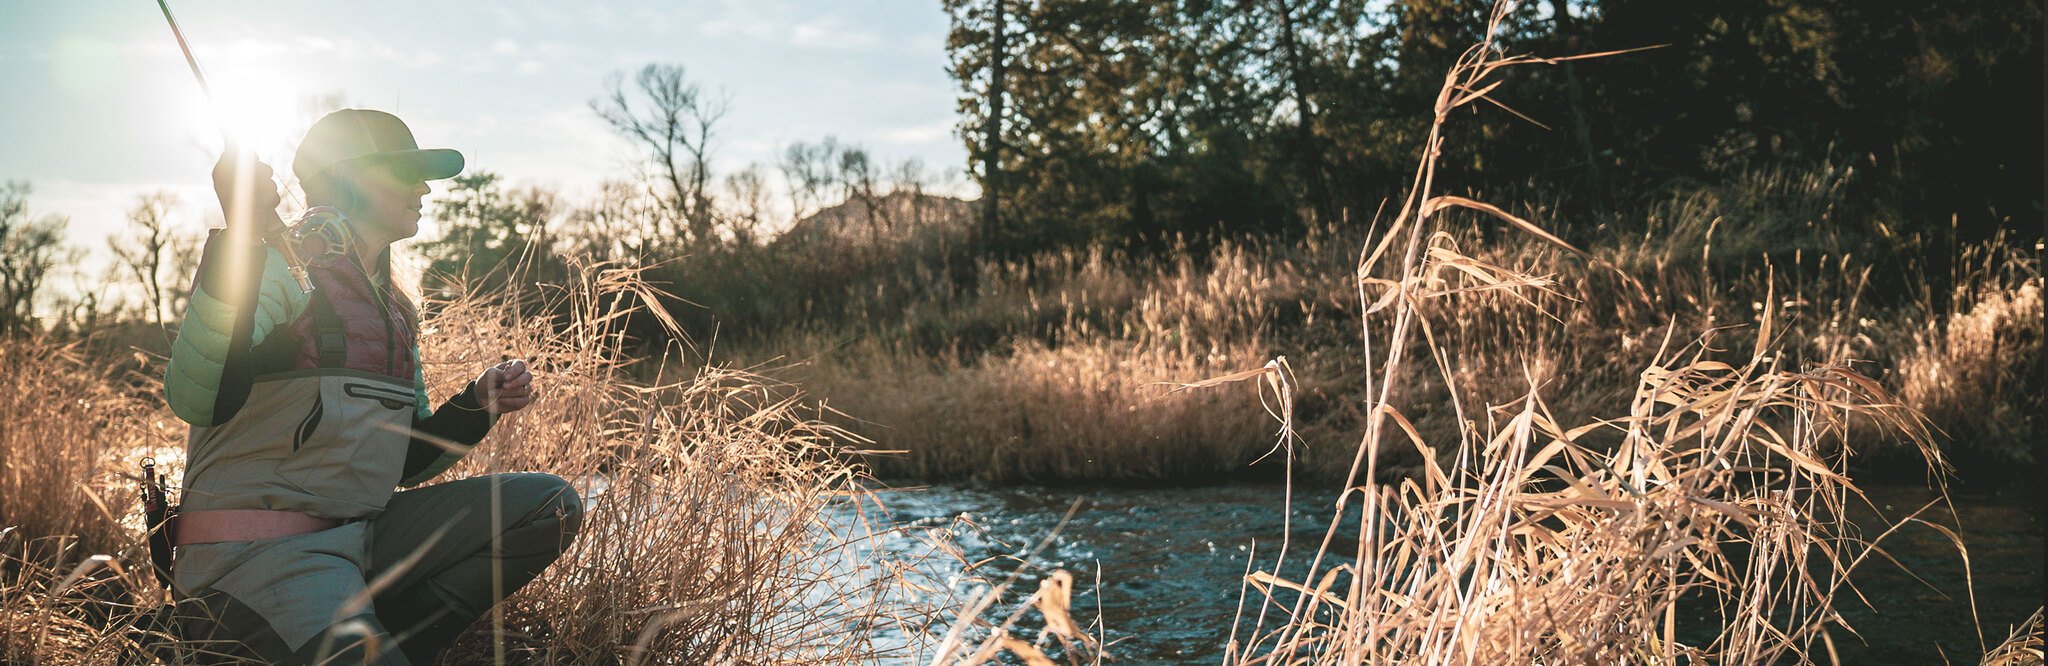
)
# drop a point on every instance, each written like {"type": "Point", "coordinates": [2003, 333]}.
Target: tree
{"type": "Point", "coordinates": [1296, 60]}
{"type": "Point", "coordinates": [30, 248]}
{"type": "Point", "coordinates": [858, 179]}
{"type": "Point", "coordinates": [613, 226]}
{"type": "Point", "coordinates": [492, 235]}
{"type": "Point", "coordinates": [808, 172]}
{"type": "Point", "coordinates": [1057, 128]}
{"type": "Point", "coordinates": [747, 190]}
{"type": "Point", "coordinates": [1120, 122]}
{"type": "Point", "coordinates": [979, 42]}
{"type": "Point", "coordinates": [1937, 106]}
{"type": "Point", "coordinates": [1091, 121]}
{"type": "Point", "coordinates": [159, 260]}
{"type": "Point", "coordinates": [674, 121]}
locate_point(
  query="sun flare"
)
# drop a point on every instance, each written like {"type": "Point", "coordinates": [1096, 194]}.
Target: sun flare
{"type": "Point", "coordinates": [256, 106]}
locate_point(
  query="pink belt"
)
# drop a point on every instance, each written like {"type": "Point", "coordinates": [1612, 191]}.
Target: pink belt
{"type": "Point", "coordinates": [244, 525]}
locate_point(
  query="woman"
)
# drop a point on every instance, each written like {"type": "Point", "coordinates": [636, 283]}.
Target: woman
{"type": "Point", "coordinates": [308, 409]}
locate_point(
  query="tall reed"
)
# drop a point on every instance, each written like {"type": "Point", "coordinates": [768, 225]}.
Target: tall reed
{"type": "Point", "coordinates": [71, 568]}
{"type": "Point", "coordinates": [1713, 531]}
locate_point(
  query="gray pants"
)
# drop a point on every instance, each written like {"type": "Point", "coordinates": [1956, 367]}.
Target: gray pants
{"type": "Point", "coordinates": [437, 559]}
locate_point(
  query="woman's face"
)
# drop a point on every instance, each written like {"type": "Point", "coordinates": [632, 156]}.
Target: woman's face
{"type": "Point", "coordinates": [391, 199]}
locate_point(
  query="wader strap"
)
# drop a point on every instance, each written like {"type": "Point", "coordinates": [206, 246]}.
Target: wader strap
{"type": "Point", "coordinates": [245, 525]}
{"type": "Point", "coordinates": [332, 334]}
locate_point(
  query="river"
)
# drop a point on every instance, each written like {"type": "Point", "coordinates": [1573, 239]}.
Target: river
{"type": "Point", "coordinates": [1161, 567]}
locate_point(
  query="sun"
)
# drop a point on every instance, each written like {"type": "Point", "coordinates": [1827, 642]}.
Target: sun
{"type": "Point", "coordinates": [257, 106]}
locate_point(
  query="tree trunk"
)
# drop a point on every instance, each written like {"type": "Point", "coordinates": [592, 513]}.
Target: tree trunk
{"type": "Point", "coordinates": [1582, 130]}
{"type": "Point", "coordinates": [1297, 78]}
{"type": "Point", "coordinates": [992, 144]}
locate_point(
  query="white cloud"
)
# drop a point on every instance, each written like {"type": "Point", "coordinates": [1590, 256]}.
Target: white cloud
{"type": "Point", "coordinates": [565, 145]}
{"type": "Point", "coordinates": [24, 52]}
{"type": "Point", "coordinates": [406, 57]}
{"type": "Point", "coordinates": [507, 17]}
{"type": "Point", "coordinates": [318, 44]}
{"type": "Point", "coordinates": [924, 42]}
{"type": "Point", "coordinates": [742, 27]}
{"type": "Point", "coordinates": [753, 20]}
{"type": "Point", "coordinates": [248, 48]}
{"type": "Point", "coordinates": [937, 131]}
{"type": "Point", "coordinates": [830, 33]}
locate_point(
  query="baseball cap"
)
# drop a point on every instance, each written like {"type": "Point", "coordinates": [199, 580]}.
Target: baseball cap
{"type": "Point", "coordinates": [356, 136]}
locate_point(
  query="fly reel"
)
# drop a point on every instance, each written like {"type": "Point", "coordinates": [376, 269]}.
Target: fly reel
{"type": "Point", "coordinates": [319, 238]}
{"type": "Point", "coordinates": [322, 236]}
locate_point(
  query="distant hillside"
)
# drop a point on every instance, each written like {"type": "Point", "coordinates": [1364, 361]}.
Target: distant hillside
{"type": "Point", "coordinates": [890, 219]}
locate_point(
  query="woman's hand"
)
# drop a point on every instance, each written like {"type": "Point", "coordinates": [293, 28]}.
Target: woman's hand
{"type": "Point", "coordinates": [247, 191]}
{"type": "Point", "coordinates": [505, 388]}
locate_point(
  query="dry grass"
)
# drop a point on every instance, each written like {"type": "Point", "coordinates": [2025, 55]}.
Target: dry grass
{"type": "Point", "coordinates": [72, 568]}
{"type": "Point", "coordinates": [1079, 388]}
{"type": "Point", "coordinates": [1546, 462]}
{"type": "Point", "coordinates": [706, 538]}
{"type": "Point", "coordinates": [1071, 388]}
{"type": "Point", "coordinates": [1971, 369]}
{"type": "Point", "coordinates": [1077, 412]}
{"type": "Point", "coordinates": [70, 559]}
{"type": "Point", "coordinates": [2022, 648]}
{"type": "Point", "coordinates": [1715, 531]}
{"type": "Point", "coordinates": [1015, 377]}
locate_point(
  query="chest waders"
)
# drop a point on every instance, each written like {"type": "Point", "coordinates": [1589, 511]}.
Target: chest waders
{"type": "Point", "coordinates": [324, 438]}
{"type": "Point", "coordinates": [326, 433]}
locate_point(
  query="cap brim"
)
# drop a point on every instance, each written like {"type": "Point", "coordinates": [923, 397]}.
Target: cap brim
{"type": "Point", "coordinates": [431, 163]}
{"type": "Point", "coordinates": [424, 164]}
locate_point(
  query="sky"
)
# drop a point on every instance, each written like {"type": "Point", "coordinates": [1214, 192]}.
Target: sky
{"type": "Point", "coordinates": [100, 107]}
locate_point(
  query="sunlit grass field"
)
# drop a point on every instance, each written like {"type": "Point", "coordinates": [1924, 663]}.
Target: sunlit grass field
{"type": "Point", "coordinates": [1561, 453]}
{"type": "Point", "coordinates": [1651, 432]}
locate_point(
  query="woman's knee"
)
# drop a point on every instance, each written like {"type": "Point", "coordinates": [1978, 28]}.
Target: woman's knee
{"type": "Point", "coordinates": [551, 500]}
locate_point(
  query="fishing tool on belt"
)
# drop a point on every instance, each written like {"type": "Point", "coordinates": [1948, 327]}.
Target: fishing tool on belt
{"type": "Point", "coordinates": [153, 636]}
{"type": "Point", "coordinates": [322, 232]}
{"type": "Point", "coordinates": [160, 517]}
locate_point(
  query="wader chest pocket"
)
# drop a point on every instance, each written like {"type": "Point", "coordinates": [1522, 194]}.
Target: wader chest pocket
{"type": "Point", "coordinates": [351, 444]}
{"type": "Point", "coordinates": [385, 397]}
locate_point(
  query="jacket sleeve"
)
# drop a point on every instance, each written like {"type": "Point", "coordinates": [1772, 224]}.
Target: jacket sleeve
{"type": "Point", "coordinates": [443, 436]}
{"type": "Point", "coordinates": [241, 294]}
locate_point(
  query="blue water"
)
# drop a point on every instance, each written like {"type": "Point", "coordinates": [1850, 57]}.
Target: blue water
{"type": "Point", "coordinates": [1158, 571]}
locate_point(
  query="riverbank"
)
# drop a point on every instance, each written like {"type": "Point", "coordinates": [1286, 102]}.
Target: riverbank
{"type": "Point", "coordinates": [1071, 366]}
{"type": "Point", "coordinates": [697, 443]}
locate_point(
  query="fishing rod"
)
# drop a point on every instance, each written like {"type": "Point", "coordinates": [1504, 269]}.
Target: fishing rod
{"type": "Point", "coordinates": [323, 230]}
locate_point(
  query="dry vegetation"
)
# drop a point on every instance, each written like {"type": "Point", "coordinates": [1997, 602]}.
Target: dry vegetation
{"type": "Point", "coordinates": [1081, 405]}
{"type": "Point", "coordinates": [1017, 377]}
{"type": "Point", "coordinates": [1714, 531]}
{"type": "Point", "coordinates": [1638, 451]}
{"type": "Point", "coordinates": [707, 539]}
